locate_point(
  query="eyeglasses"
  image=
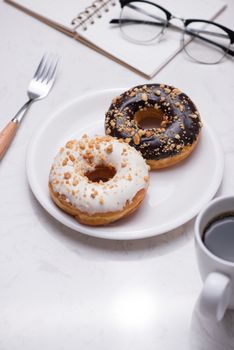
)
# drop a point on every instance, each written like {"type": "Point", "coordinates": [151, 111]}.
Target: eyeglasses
{"type": "Point", "coordinates": [204, 41]}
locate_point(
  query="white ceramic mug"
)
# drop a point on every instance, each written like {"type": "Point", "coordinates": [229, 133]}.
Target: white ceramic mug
{"type": "Point", "coordinates": [218, 274]}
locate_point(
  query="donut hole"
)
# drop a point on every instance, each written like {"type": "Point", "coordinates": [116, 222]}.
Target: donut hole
{"type": "Point", "coordinates": [149, 119]}
{"type": "Point", "coordinates": [102, 173]}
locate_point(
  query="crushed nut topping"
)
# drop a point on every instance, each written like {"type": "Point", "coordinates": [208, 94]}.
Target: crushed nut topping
{"type": "Point", "coordinates": [136, 139]}
{"type": "Point", "coordinates": [67, 176]}
{"type": "Point", "coordinates": [109, 149]}
{"type": "Point", "coordinates": [71, 157]}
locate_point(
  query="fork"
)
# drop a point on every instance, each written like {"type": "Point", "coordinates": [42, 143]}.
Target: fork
{"type": "Point", "coordinates": [38, 88]}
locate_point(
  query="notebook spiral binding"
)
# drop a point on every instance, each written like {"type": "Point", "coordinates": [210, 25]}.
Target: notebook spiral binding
{"type": "Point", "coordinates": [86, 17]}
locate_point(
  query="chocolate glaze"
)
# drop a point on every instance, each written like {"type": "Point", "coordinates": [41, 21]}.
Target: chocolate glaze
{"type": "Point", "coordinates": [180, 124]}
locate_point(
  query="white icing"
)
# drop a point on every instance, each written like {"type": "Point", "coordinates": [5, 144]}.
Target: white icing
{"type": "Point", "coordinates": [131, 174]}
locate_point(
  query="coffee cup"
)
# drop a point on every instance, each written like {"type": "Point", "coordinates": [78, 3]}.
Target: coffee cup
{"type": "Point", "coordinates": [214, 244]}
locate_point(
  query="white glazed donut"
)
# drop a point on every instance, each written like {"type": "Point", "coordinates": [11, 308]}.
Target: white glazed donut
{"type": "Point", "coordinates": [98, 180]}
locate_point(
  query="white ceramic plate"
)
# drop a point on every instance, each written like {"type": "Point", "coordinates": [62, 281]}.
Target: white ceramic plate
{"type": "Point", "coordinates": [175, 195]}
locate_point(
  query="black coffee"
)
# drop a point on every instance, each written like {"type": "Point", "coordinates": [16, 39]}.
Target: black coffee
{"type": "Point", "coordinates": [218, 236]}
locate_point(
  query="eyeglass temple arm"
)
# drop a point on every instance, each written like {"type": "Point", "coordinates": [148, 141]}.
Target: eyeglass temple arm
{"type": "Point", "coordinates": [194, 34]}
{"type": "Point", "coordinates": [162, 23]}
{"type": "Point", "coordinates": [229, 51]}
{"type": "Point", "coordinates": [128, 21]}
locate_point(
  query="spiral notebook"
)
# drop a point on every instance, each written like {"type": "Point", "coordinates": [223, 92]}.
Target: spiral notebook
{"type": "Point", "coordinates": [89, 23]}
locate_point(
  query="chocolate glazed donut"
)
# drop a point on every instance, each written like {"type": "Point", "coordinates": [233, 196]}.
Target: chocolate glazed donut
{"type": "Point", "coordinates": [179, 128]}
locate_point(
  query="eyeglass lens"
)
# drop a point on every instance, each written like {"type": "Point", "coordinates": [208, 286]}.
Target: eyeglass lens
{"type": "Point", "coordinates": [142, 22]}
{"type": "Point", "coordinates": [207, 42]}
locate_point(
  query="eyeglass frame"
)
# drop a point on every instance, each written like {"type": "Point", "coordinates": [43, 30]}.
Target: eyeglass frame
{"type": "Point", "coordinates": [186, 22]}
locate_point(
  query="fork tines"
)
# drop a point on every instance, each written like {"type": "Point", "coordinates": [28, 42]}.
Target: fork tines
{"type": "Point", "coordinates": [47, 68]}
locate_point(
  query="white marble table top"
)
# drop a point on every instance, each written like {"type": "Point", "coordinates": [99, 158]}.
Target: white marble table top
{"type": "Point", "coordinates": [63, 290]}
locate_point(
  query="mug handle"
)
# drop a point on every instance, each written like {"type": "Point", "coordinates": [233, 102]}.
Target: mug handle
{"type": "Point", "coordinates": [215, 295]}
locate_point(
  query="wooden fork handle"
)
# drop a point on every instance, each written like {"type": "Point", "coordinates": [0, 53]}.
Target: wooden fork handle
{"type": "Point", "coordinates": [6, 137]}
